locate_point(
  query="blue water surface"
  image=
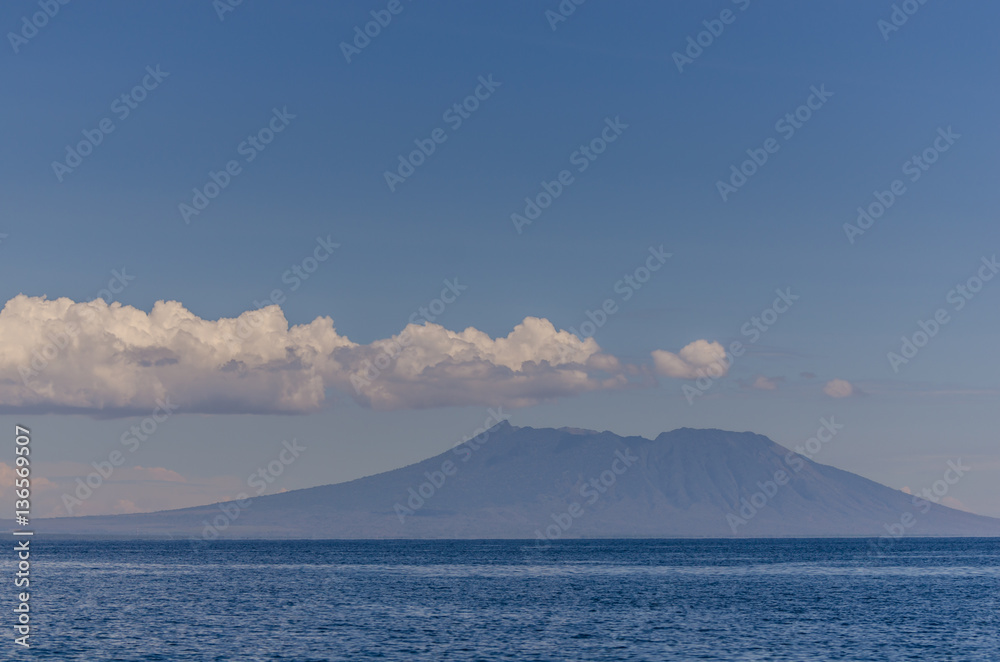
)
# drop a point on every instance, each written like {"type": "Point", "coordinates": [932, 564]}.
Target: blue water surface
{"type": "Point", "coordinates": [914, 599]}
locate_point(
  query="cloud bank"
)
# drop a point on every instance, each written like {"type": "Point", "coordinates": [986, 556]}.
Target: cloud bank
{"type": "Point", "coordinates": [114, 360]}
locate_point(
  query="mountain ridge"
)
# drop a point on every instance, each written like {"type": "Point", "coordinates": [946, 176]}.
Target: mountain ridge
{"type": "Point", "coordinates": [523, 482]}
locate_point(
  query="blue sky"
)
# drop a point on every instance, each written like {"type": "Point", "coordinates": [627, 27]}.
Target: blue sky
{"type": "Point", "coordinates": [656, 184]}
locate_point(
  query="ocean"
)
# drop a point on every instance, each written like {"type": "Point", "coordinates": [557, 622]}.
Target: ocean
{"type": "Point", "coordinates": [820, 599]}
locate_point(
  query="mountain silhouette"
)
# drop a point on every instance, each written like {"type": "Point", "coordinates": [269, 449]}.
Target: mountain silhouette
{"type": "Point", "coordinates": [522, 482]}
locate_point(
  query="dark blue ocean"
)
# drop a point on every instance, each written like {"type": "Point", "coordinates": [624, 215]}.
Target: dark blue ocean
{"type": "Point", "coordinates": [915, 599]}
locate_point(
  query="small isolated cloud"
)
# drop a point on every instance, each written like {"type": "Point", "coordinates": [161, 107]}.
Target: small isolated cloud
{"type": "Point", "coordinates": [949, 501]}
{"type": "Point", "coordinates": [114, 360]}
{"type": "Point", "coordinates": [807, 375]}
{"type": "Point", "coordinates": [152, 473]}
{"type": "Point", "coordinates": [765, 383]}
{"type": "Point", "coordinates": [698, 359]}
{"type": "Point", "coordinates": [952, 502]}
{"type": "Point", "coordinates": [125, 507]}
{"type": "Point", "coordinates": [838, 388]}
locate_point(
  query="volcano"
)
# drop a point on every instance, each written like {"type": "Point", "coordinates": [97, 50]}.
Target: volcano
{"type": "Point", "coordinates": [522, 482]}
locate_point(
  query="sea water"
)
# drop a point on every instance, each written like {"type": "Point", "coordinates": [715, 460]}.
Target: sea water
{"type": "Point", "coordinates": [914, 599]}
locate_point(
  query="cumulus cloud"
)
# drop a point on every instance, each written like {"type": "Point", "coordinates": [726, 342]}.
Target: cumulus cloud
{"type": "Point", "coordinates": [838, 388]}
{"type": "Point", "coordinates": [765, 383]}
{"type": "Point", "coordinates": [698, 359]}
{"type": "Point", "coordinates": [115, 360]}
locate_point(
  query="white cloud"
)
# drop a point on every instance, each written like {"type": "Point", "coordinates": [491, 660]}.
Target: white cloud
{"type": "Point", "coordinates": [838, 388]}
{"type": "Point", "coordinates": [698, 359]}
{"type": "Point", "coordinates": [765, 383]}
{"type": "Point", "coordinates": [115, 360]}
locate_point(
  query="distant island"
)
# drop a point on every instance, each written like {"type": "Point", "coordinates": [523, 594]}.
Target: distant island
{"type": "Point", "coordinates": [550, 484]}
